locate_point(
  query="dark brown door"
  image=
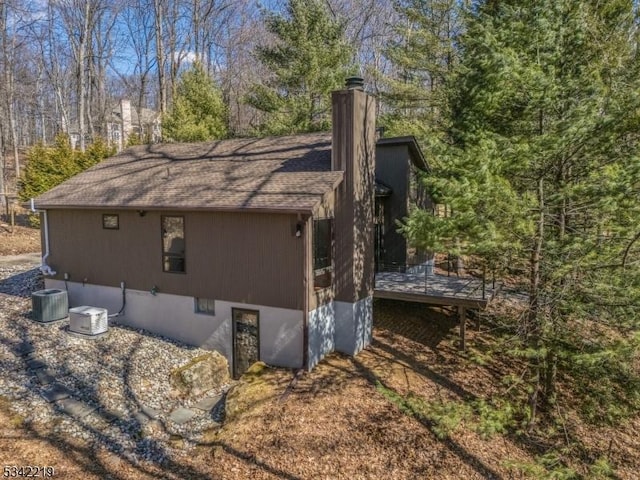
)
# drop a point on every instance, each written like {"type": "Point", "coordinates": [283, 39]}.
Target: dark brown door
{"type": "Point", "coordinates": [246, 344]}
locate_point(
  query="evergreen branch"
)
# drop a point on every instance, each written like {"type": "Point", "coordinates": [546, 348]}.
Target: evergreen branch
{"type": "Point", "coordinates": [626, 251]}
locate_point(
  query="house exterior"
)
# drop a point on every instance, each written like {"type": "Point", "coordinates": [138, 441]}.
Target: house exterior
{"type": "Point", "coordinates": [399, 165]}
{"type": "Point", "coordinates": [121, 122]}
{"type": "Point", "coordinates": [262, 249]}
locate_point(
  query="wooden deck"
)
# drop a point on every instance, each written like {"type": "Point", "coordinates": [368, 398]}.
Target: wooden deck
{"type": "Point", "coordinates": [435, 289]}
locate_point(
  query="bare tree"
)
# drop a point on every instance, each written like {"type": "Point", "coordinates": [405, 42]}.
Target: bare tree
{"type": "Point", "coordinates": [159, 15]}
{"type": "Point", "coordinates": [100, 54]}
{"type": "Point", "coordinates": [52, 48]}
{"type": "Point", "coordinates": [233, 62]}
{"type": "Point", "coordinates": [139, 25]}
{"type": "Point", "coordinates": [77, 20]}
{"type": "Point", "coordinates": [9, 39]}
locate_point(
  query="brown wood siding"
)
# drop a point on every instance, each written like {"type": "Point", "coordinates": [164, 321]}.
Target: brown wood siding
{"type": "Point", "coordinates": [326, 209]}
{"type": "Point", "coordinates": [353, 148]}
{"type": "Point", "coordinates": [251, 258]}
{"type": "Point", "coordinates": [342, 159]}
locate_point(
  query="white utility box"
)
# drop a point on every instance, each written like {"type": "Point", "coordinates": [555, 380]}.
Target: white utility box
{"type": "Point", "coordinates": [88, 320]}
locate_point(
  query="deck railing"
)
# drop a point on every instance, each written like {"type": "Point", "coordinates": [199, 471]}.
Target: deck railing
{"type": "Point", "coordinates": [426, 272]}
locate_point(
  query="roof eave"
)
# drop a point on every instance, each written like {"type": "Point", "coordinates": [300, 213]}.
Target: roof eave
{"type": "Point", "coordinates": [292, 210]}
{"type": "Point", "coordinates": [417, 157]}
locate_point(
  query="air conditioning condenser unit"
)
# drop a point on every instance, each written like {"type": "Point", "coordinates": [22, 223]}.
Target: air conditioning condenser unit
{"type": "Point", "coordinates": [49, 305]}
{"type": "Point", "coordinates": [88, 320]}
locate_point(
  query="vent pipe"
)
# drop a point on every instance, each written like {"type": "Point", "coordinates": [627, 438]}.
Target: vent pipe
{"type": "Point", "coordinates": [354, 83]}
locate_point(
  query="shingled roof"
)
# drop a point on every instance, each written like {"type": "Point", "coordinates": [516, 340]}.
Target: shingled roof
{"type": "Point", "coordinates": [277, 173]}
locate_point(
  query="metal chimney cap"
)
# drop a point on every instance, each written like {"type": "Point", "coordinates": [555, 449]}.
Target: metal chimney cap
{"type": "Point", "coordinates": [355, 83]}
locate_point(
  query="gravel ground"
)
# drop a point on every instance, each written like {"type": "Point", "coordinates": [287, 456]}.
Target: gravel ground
{"type": "Point", "coordinates": [124, 377]}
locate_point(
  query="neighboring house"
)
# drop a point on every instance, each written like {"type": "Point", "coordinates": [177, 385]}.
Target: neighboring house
{"type": "Point", "coordinates": [257, 248]}
{"type": "Point", "coordinates": [123, 121]}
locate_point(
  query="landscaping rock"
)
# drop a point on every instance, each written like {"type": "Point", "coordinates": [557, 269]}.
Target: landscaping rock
{"type": "Point", "coordinates": [181, 415]}
{"type": "Point", "coordinates": [35, 364]}
{"type": "Point", "coordinates": [24, 349]}
{"type": "Point", "coordinates": [202, 374]}
{"type": "Point", "coordinates": [207, 403]}
{"type": "Point", "coordinates": [75, 408]}
{"type": "Point", "coordinates": [55, 392]}
{"type": "Point", "coordinates": [150, 412]}
{"type": "Point", "coordinates": [45, 376]}
{"type": "Point", "coordinates": [111, 416]}
{"type": "Point", "coordinates": [127, 373]}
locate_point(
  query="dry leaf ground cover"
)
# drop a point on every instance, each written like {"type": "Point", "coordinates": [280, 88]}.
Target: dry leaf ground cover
{"type": "Point", "coordinates": [348, 418]}
{"type": "Point", "coordinates": [341, 421]}
{"type": "Point", "coordinates": [18, 239]}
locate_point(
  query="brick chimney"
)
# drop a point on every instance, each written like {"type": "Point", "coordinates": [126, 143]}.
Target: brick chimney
{"type": "Point", "coordinates": [353, 151]}
{"type": "Point", "coordinates": [126, 127]}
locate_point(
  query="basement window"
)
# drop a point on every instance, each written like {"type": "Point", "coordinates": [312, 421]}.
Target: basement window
{"type": "Point", "coordinates": [173, 249]}
{"type": "Point", "coordinates": [322, 236]}
{"type": "Point", "coordinates": [110, 221]}
{"type": "Point", "coordinates": [205, 306]}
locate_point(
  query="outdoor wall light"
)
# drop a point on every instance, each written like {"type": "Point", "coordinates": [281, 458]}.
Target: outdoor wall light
{"type": "Point", "coordinates": [298, 230]}
{"type": "Point", "coordinates": [142, 213]}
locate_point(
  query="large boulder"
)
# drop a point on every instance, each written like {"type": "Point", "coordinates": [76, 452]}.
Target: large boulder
{"type": "Point", "coordinates": [202, 374]}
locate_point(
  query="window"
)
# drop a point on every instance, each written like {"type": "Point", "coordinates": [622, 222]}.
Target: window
{"type": "Point", "coordinates": [110, 222]}
{"type": "Point", "coordinates": [205, 305]}
{"type": "Point", "coordinates": [322, 252]}
{"type": "Point", "coordinates": [173, 259]}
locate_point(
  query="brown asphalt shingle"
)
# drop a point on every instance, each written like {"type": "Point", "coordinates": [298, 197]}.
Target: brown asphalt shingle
{"type": "Point", "coordinates": [280, 173]}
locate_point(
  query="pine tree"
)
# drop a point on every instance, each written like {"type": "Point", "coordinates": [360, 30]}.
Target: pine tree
{"type": "Point", "coordinates": [310, 58]}
{"type": "Point", "coordinates": [198, 112]}
{"type": "Point", "coordinates": [48, 167]}
{"type": "Point", "coordinates": [545, 173]}
{"type": "Point", "coordinates": [423, 56]}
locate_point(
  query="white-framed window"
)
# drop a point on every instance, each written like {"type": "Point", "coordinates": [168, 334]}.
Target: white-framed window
{"type": "Point", "coordinates": [322, 258]}
{"type": "Point", "coordinates": [110, 221]}
{"type": "Point", "coordinates": [206, 306]}
{"type": "Point", "coordinates": [173, 245]}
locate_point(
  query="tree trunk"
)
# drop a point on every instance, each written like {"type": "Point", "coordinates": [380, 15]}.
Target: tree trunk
{"type": "Point", "coordinates": [162, 81]}
{"type": "Point", "coordinates": [551, 359]}
{"type": "Point", "coordinates": [81, 77]}
{"type": "Point", "coordinates": [8, 84]}
{"type": "Point", "coordinates": [54, 74]}
{"type": "Point", "coordinates": [551, 370]}
{"type": "Point", "coordinates": [4, 203]}
{"type": "Point", "coordinates": [533, 327]}
{"type": "Point", "coordinates": [195, 22]}
{"type": "Point", "coordinates": [14, 136]}
{"type": "Point", "coordinates": [175, 57]}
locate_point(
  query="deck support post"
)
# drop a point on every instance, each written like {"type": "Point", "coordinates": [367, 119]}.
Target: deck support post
{"type": "Point", "coordinates": [462, 314]}
{"type": "Point", "coordinates": [484, 282]}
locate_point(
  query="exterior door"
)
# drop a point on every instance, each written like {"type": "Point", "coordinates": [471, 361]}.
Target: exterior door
{"type": "Point", "coordinates": [246, 340]}
{"type": "Point", "coordinates": [378, 239]}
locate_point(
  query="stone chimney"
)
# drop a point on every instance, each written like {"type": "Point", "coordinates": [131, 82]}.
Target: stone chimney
{"type": "Point", "coordinates": [353, 151]}
{"type": "Point", "coordinates": [126, 127]}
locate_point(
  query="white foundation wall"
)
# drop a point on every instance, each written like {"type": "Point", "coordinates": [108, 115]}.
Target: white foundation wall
{"type": "Point", "coordinates": [353, 325]}
{"type": "Point", "coordinates": [173, 316]}
{"type": "Point", "coordinates": [322, 333]}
